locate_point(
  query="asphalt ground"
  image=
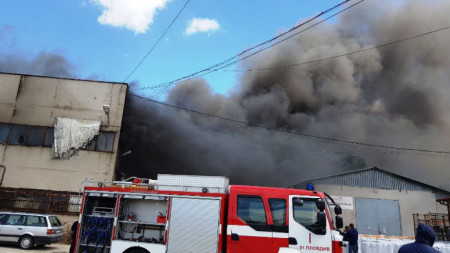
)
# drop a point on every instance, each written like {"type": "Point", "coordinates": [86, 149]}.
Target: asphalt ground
{"type": "Point", "coordinates": [53, 248]}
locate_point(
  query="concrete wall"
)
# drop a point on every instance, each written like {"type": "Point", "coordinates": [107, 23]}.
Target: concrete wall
{"type": "Point", "coordinates": [411, 202]}
{"type": "Point", "coordinates": [37, 101]}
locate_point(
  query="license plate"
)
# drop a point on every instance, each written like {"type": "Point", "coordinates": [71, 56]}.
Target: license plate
{"type": "Point", "coordinates": [58, 231]}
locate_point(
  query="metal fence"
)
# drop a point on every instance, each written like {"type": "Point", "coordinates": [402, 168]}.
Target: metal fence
{"type": "Point", "coordinates": [40, 201]}
{"type": "Point", "coordinates": [438, 221]}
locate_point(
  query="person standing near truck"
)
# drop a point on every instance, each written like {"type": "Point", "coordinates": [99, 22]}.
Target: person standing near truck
{"type": "Point", "coordinates": [425, 237]}
{"type": "Point", "coordinates": [74, 235]}
{"type": "Point", "coordinates": [352, 238]}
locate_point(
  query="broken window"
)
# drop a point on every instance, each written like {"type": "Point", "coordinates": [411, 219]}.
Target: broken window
{"type": "Point", "coordinates": [36, 136]}
{"type": "Point", "coordinates": [91, 145]}
{"type": "Point", "coordinates": [105, 141]}
{"type": "Point", "coordinates": [4, 133]}
{"type": "Point", "coordinates": [19, 135]}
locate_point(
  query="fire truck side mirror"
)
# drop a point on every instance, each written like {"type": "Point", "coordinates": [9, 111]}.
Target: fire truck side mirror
{"type": "Point", "coordinates": [297, 201]}
{"type": "Point", "coordinates": [321, 220]}
{"type": "Point", "coordinates": [339, 222]}
{"type": "Point", "coordinates": [337, 210]}
{"type": "Point", "coordinates": [320, 204]}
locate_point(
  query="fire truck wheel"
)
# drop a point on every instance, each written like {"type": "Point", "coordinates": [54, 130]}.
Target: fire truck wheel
{"type": "Point", "coordinates": [137, 250]}
{"type": "Point", "coordinates": [26, 242]}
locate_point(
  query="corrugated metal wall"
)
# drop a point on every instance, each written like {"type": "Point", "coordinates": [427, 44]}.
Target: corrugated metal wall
{"type": "Point", "coordinates": [377, 179]}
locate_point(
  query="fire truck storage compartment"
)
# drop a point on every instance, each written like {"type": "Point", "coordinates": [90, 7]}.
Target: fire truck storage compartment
{"type": "Point", "coordinates": [97, 222]}
{"type": "Point", "coordinates": [194, 225]}
{"type": "Point", "coordinates": [142, 218]}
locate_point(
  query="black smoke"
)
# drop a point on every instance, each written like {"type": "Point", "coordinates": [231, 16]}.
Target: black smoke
{"type": "Point", "coordinates": [396, 96]}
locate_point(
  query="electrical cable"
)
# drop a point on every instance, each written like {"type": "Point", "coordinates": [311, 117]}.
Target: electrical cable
{"type": "Point", "coordinates": [328, 58]}
{"type": "Point", "coordinates": [278, 42]}
{"type": "Point", "coordinates": [336, 140]}
{"type": "Point", "coordinates": [342, 55]}
{"type": "Point", "coordinates": [225, 63]}
{"type": "Point", "coordinates": [164, 33]}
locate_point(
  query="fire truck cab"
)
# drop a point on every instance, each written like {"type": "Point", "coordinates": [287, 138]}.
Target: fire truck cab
{"type": "Point", "coordinates": [263, 219]}
{"type": "Point", "coordinates": [204, 214]}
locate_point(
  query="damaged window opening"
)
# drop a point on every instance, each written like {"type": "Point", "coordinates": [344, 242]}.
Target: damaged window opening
{"type": "Point", "coordinates": [4, 133]}
{"type": "Point", "coordinates": [19, 135]}
{"type": "Point", "coordinates": [72, 135]}
{"type": "Point", "coordinates": [91, 145]}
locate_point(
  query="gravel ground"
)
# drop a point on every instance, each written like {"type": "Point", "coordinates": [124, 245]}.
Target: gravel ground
{"type": "Point", "coordinates": [53, 248]}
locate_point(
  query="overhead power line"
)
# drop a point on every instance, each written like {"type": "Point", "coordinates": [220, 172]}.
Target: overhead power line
{"type": "Point", "coordinates": [337, 56]}
{"type": "Point", "coordinates": [156, 43]}
{"type": "Point", "coordinates": [241, 56]}
{"type": "Point", "coordinates": [341, 55]}
{"type": "Point", "coordinates": [317, 137]}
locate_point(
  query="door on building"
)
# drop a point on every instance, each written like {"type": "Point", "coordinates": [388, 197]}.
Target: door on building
{"type": "Point", "coordinates": [378, 216]}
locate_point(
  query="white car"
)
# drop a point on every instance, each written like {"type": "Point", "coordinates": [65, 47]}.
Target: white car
{"type": "Point", "coordinates": [29, 229]}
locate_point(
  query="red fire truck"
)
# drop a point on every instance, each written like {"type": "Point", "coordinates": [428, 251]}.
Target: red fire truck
{"type": "Point", "coordinates": [204, 214]}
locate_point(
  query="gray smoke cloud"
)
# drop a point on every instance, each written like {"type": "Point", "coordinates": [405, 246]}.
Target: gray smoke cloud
{"type": "Point", "coordinates": [395, 96]}
{"type": "Point", "coordinates": [51, 64]}
{"type": "Point", "coordinates": [45, 63]}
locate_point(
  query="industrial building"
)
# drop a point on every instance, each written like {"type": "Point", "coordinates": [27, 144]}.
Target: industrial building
{"type": "Point", "coordinates": [380, 202]}
{"type": "Point", "coordinates": [55, 135]}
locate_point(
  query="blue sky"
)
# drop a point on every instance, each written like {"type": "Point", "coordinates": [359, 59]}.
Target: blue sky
{"type": "Point", "coordinates": [110, 51]}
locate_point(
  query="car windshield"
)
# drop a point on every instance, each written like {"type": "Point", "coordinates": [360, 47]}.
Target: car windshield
{"type": "Point", "coordinates": [54, 221]}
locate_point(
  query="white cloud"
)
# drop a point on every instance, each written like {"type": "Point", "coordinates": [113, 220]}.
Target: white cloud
{"type": "Point", "coordinates": [197, 25]}
{"type": "Point", "coordinates": [135, 15]}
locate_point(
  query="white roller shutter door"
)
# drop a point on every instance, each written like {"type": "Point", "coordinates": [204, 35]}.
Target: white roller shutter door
{"type": "Point", "coordinates": [194, 225]}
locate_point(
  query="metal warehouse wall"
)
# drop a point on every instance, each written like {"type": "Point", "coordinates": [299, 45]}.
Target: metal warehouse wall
{"type": "Point", "coordinates": [377, 179]}
{"type": "Point", "coordinates": [410, 202]}
{"type": "Point", "coordinates": [33, 102]}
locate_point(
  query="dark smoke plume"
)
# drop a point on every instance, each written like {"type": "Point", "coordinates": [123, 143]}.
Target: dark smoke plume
{"type": "Point", "coordinates": [397, 96]}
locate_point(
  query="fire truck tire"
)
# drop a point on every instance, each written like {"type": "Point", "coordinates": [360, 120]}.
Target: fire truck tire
{"type": "Point", "coordinates": [26, 242]}
{"type": "Point", "coordinates": [137, 250]}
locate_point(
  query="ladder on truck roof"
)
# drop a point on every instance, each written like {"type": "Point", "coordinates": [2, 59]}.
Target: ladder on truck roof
{"type": "Point", "coordinates": [185, 183]}
{"type": "Point", "coordinates": [135, 181]}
